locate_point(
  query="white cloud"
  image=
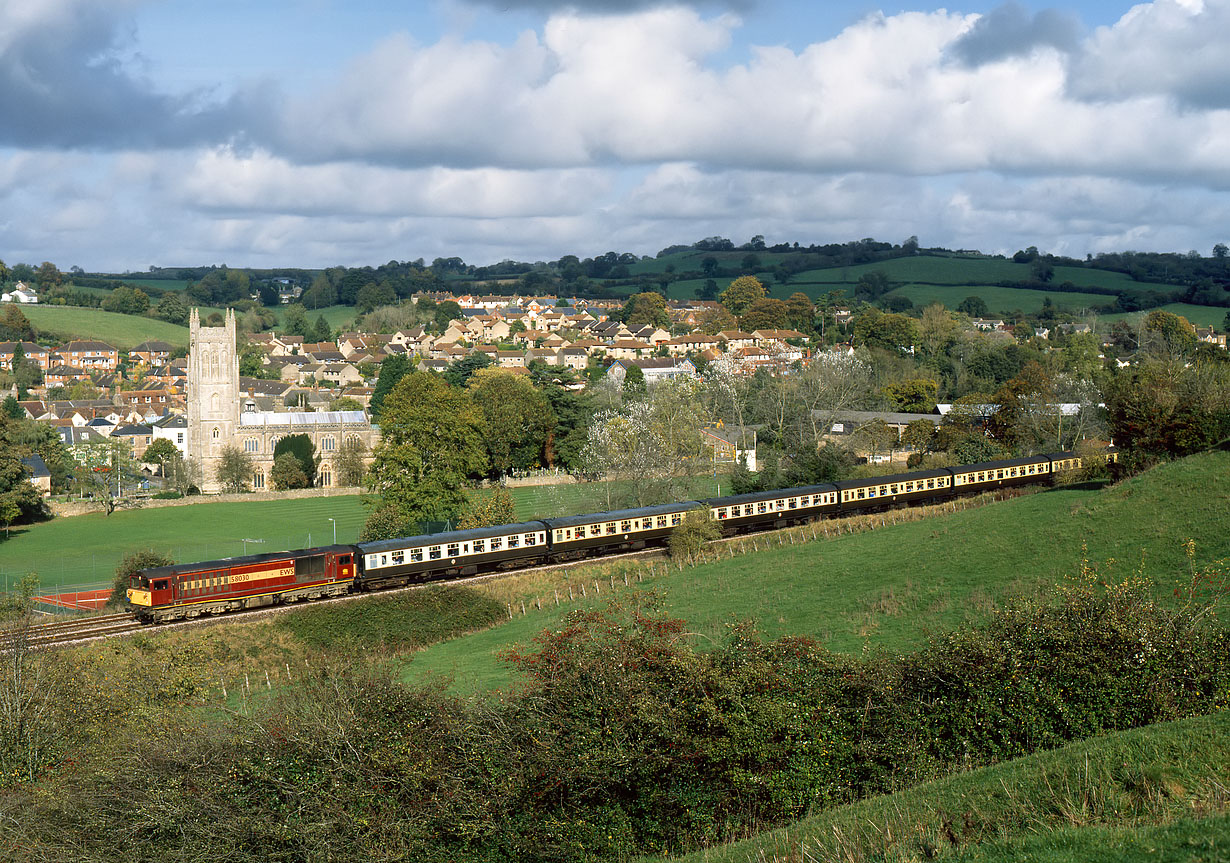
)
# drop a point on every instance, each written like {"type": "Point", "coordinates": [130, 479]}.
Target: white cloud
{"type": "Point", "coordinates": [1175, 48]}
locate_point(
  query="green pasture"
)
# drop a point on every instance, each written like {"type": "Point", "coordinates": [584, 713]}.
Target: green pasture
{"type": "Point", "coordinates": [1201, 316]}
{"type": "Point", "coordinates": [893, 586]}
{"type": "Point", "coordinates": [82, 550]}
{"type": "Point", "coordinates": [162, 284]}
{"type": "Point", "coordinates": [999, 300]}
{"type": "Point", "coordinates": [122, 331]}
{"type": "Point", "coordinates": [1128, 797]}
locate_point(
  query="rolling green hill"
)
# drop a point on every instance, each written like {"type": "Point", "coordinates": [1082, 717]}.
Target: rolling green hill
{"type": "Point", "coordinates": [122, 331]}
{"type": "Point", "coordinates": [892, 586]}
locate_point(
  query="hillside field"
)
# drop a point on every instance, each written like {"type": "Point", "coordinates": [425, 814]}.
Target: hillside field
{"type": "Point", "coordinates": [122, 331]}
{"type": "Point", "coordinates": [890, 587]}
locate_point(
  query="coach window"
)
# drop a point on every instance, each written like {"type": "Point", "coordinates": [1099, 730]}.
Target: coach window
{"type": "Point", "coordinates": [454, 549]}
{"type": "Point", "coordinates": [676, 518]}
{"type": "Point", "coordinates": [514, 541]}
{"type": "Point", "coordinates": [480, 546]}
{"type": "Point", "coordinates": [580, 531]}
{"type": "Point", "coordinates": [384, 560]}
{"type": "Point", "coordinates": [793, 503]}
{"type": "Point", "coordinates": [892, 489]}
{"type": "Point", "coordinates": [721, 513]}
{"type": "Point", "coordinates": [497, 543]}
{"type": "Point", "coordinates": [399, 557]}
{"type": "Point", "coordinates": [434, 553]}
{"type": "Point", "coordinates": [661, 521]}
{"type": "Point", "coordinates": [530, 539]}
{"type": "Point", "coordinates": [625, 526]}
{"type": "Point", "coordinates": [610, 527]}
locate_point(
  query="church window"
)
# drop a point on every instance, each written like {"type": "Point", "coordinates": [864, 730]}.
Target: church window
{"type": "Point", "coordinates": [326, 476]}
{"type": "Point", "coordinates": [258, 480]}
{"type": "Point", "coordinates": [251, 445]}
{"type": "Point", "coordinates": [328, 444]}
{"type": "Point", "coordinates": [217, 433]}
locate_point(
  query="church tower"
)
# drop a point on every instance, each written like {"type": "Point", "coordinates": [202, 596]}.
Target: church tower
{"type": "Point", "coordinates": [213, 395]}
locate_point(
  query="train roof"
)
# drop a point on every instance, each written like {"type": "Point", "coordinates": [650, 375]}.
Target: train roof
{"type": "Point", "coordinates": [240, 560]}
{"type": "Point", "coordinates": [754, 496]}
{"type": "Point", "coordinates": [426, 539]}
{"type": "Point", "coordinates": [621, 514]}
{"type": "Point", "coordinates": [863, 482]}
{"type": "Point", "coordinates": [1009, 462]}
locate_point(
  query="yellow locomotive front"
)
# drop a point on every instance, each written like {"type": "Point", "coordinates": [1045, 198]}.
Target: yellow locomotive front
{"type": "Point", "coordinates": [138, 591]}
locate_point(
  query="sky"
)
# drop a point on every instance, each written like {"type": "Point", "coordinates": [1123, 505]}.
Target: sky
{"type": "Point", "coordinates": [311, 133]}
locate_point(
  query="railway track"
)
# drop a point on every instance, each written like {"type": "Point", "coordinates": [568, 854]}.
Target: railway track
{"type": "Point", "coordinates": [69, 631]}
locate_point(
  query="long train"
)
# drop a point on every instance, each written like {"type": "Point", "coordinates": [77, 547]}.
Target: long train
{"type": "Point", "coordinates": [189, 590]}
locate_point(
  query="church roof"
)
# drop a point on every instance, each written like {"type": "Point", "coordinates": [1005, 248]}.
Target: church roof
{"type": "Point", "coordinates": [302, 418]}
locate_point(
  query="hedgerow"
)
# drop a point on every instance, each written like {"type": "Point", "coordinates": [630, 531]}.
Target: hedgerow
{"type": "Point", "coordinates": [624, 737]}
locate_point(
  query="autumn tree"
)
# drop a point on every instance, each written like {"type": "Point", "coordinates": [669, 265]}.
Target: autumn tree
{"type": "Point", "coordinates": [741, 293]}
{"type": "Point", "coordinates": [916, 395]}
{"type": "Point", "coordinates": [890, 332]}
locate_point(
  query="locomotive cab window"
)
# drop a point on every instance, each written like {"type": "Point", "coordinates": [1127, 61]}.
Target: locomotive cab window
{"type": "Point", "coordinates": [161, 584]}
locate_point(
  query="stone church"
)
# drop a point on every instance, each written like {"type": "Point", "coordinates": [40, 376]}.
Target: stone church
{"type": "Point", "coordinates": [215, 420]}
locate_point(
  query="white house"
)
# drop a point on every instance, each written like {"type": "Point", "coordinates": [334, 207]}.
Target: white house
{"type": "Point", "coordinates": [21, 293]}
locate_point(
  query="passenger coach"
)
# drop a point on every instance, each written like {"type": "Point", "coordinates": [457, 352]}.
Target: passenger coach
{"type": "Point", "coordinates": [460, 552]}
{"type": "Point", "coordinates": [576, 536]}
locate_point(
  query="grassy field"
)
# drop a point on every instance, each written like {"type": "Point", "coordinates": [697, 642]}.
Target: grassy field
{"type": "Point", "coordinates": [999, 300]}
{"type": "Point", "coordinates": [1201, 316]}
{"type": "Point", "coordinates": [122, 331]}
{"type": "Point", "coordinates": [893, 586]}
{"type": "Point", "coordinates": [1150, 794]}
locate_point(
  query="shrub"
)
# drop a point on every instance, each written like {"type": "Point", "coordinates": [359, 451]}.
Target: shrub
{"type": "Point", "coordinates": [690, 538]}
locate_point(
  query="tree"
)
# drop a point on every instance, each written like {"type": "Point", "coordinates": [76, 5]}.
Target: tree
{"type": "Point", "coordinates": [107, 472]}
{"type": "Point", "coordinates": [646, 308]}
{"type": "Point", "coordinates": [287, 473]}
{"type": "Point", "coordinates": [304, 451]}
{"type": "Point", "coordinates": [975, 307]}
{"type": "Point", "coordinates": [126, 301]}
{"type": "Point", "coordinates": [765, 313]}
{"type": "Point", "coordinates": [431, 447]}
{"type": "Point", "coordinates": [890, 332]}
{"type": "Point", "coordinates": [15, 326]}
{"type": "Point", "coordinates": [634, 383]}
{"type": "Point", "coordinates": [691, 537]}
{"type": "Point", "coordinates": [919, 435]}
{"type": "Point", "coordinates": [1163, 407]}
{"type": "Point", "coordinates": [741, 293]}
{"type": "Point", "coordinates": [349, 465]}
{"type": "Point", "coordinates": [130, 565]}
{"type": "Point", "coordinates": [12, 409]}
{"type": "Point", "coordinates": [876, 436]}
{"type": "Point", "coordinates": [172, 308]}
{"type": "Point", "coordinates": [518, 421]}
{"type": "Point", "coordinates": [1169, 334]}
{"type": "Point", "coordinates": [160, 452]}
{"type": "Point", "coordinates": [234, 472]}
{"type": "Point", "coordinates": [485, 510]}
{"type": "Point", "coordinates": [800, 312]}
{"type": "Point", "coordinates": [392, 370]}
{"type": "Point", "coordinates": [916, 395]}
{"type": "Point", "coordinates": [49, 276]}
